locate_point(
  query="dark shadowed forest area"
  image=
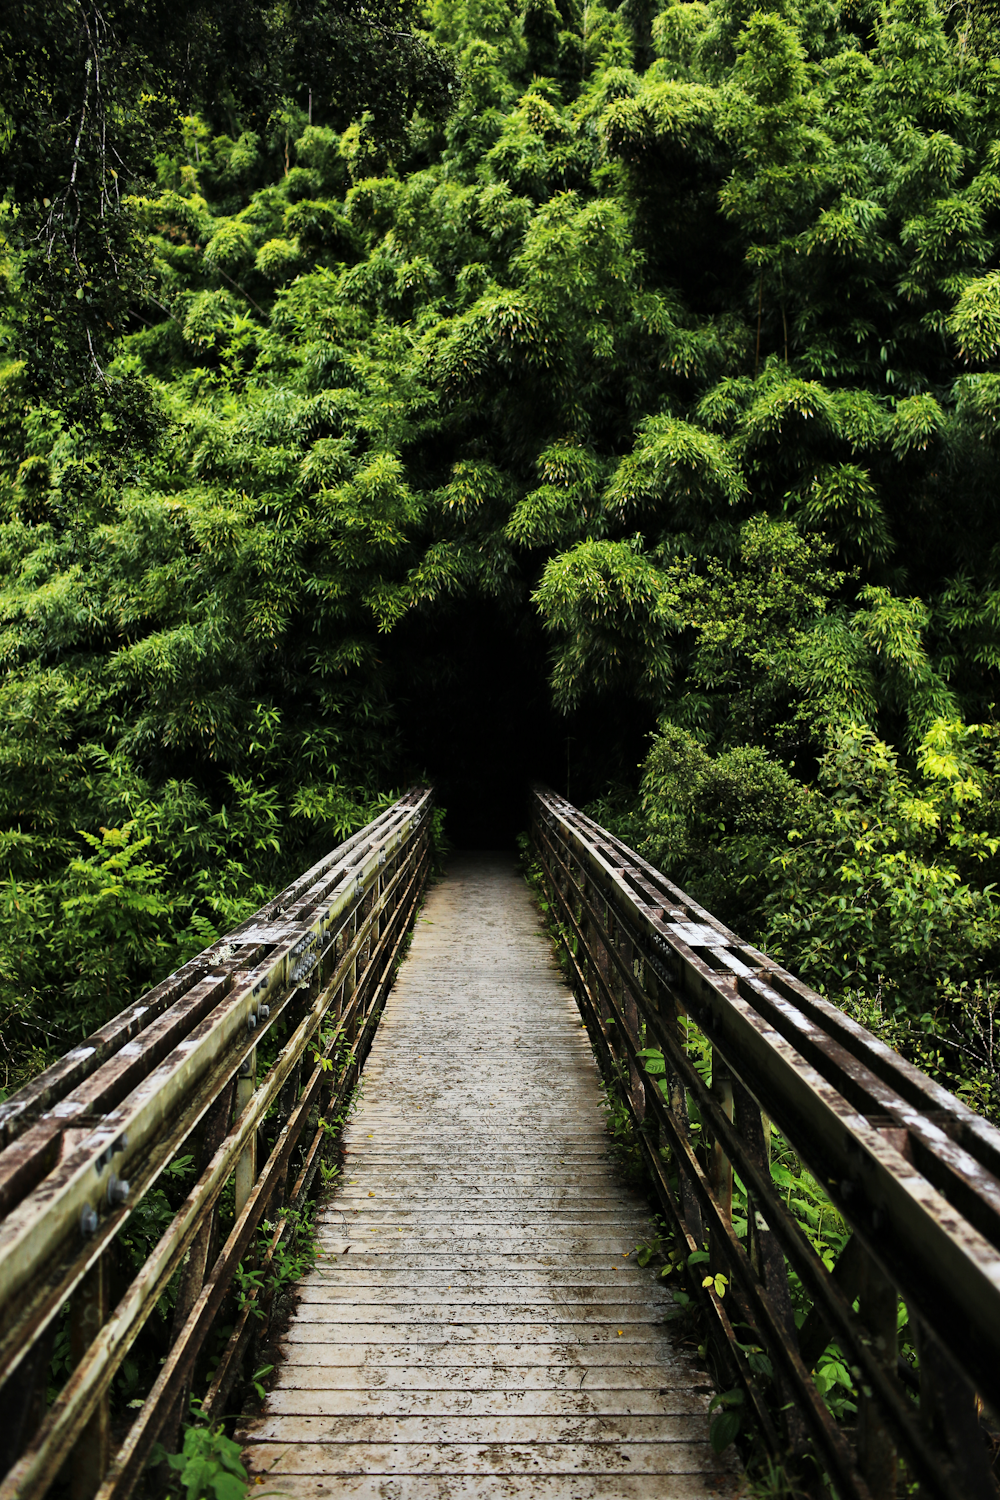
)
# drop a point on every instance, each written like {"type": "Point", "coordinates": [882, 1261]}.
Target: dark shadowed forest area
{"type": "Point", "coordinates": [491, 392]}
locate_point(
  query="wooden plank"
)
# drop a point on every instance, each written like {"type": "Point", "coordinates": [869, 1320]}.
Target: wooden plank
{"type": "Point", "coordinates": [313, 1402]}
{"type": "Point", "coordinates": [433, 1271]}
{"type": "Point", "coordinates": [610, 1458]}
{"type": "Point", "coordinates": [475, 1239]}
{"type": "Point", "coordinates": [445, 1302]}
{"type": "Point", "coordinates": [497, 1220]}
{"type": "Point", "coordinates": [518, 1487]}
{"type": "Point", "coordinates": [533, 1382]}
{"type": "Point", "coordinates": [477, 1315]}
{"type": "Point", "coordinates": [529, 1354]}
{"type": "Point", "coordinates": [372, 1257]}
{"type": "Point", "coordinates": [531, 1428]}
{"type": "Point", "coordinates": [500, 1337]}
{"type": "Point", "coordinates": [414, 1291]}
{"type": "Point", "coordinates": [452, 1315]}
{"type": "Point", "coordinates": [569, 1178]}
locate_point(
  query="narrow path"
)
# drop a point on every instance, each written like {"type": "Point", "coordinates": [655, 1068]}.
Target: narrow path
{"type": "Point", "coordinates": [477, 1325]}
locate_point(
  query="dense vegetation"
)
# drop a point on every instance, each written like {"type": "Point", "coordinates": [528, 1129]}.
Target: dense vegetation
{"type": "Point", "coordinates": [637, 377]}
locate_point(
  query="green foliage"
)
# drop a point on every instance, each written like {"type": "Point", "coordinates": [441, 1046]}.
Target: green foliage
{"type": "Point", "coordinates": [671, 333]}
{"type": "Point", "coordinates": [886, 899]}
{"type": "Point", "coordinates": [97, 99]}
{"type": "Point", "coordinates": [208, 1466]}
{"type": "Point", "coordinates": [153, 1213]}
{"type": "Point", "coordinates": [716, 822]}
{"type": "Point", "coordinates": [876, 884]}
{"type": "Point", "coordinates": [604, 597]}
{"type": "Point", "coordinates": [726, 1426]}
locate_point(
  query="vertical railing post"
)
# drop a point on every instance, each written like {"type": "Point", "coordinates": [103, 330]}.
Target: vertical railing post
{"type": "Point", "coordinates": [351, 978]}
{"type": "Point", "coordinates": [949, 1411]}
{"type": "Point", "coordinates": [877, 1308]}
{"type": "Point", "coordinates": [560, 878]}
{"type": "Point", "coordinates": [88, 1314]}
{"type": "Point", "coordinates": [720, 1176]}
{"type": "Point", "coordinates": [764, 1251]}
{"type": "Point", "coordinates": [720, 1168]}
{"type": "Point", "coordinates": [588, 958]}
{"type": "Point", "coordinates": [602, 958]}
{"type": "Point", "coordinates": [368, 947]}
{"type": "Point", "coordinates": [678, 1105]}
{"type": "Point", "coordinates": [631, 1012]}
{"type": "Point", "coordinates": [600, 977]}
{"type": "Point", "coordinates": [246, 1166]}
{"type": "Point", "coordinates": [340, 945]}
{"type": "Point", "coordinates": [364, 999]}
{"type": "Point", "coordinates": [287, 1100]}
{"type": "Point", "coordinates": [192, 1276]}
{"type": "Point", "coordinates": [22, 1398]}
{"type": "Point", "coordinates": [655, 991]}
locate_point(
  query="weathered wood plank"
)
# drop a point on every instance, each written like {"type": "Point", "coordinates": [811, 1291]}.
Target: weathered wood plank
{"type": "Point", "coordinates": [525, 1457]}
{"type": "Point", "coordinates": [389, 1258]}
{"type": "Point", "coordinates": [593, 1285]}
{"type": "Point", "coordinates": [564, 1381]}
{"type": "Point", "coordinates": [353, 1307]}
{"type": "Point", "coordinates": [447, 1352]}
{"type": "Point", "coordinates": [567, 1427]}
{"type": "Point", "coordinates": [510, 1332]}
{"type": "Point", "coordinates": [569, 1316]}
{"type": "Point", "coordinates": [518, 1487]}
{"type": "Point", "coordinates": [311, 1401]}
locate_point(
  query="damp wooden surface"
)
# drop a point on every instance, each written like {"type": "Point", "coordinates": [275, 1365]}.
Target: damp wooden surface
{"type": "Point", "coordinates": [477, 1325]}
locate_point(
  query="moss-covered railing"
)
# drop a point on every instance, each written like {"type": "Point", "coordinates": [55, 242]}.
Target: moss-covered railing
{"type": "Point", "coordinates": [714, 1048]}
{"type": "Point", "coordinates": [230, 1076]}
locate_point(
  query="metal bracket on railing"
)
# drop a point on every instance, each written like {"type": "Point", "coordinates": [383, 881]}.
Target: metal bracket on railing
{"type": "Point", "coordinates": [304, 967]}
{"type": "Point", "coordinates": [118, 1190]}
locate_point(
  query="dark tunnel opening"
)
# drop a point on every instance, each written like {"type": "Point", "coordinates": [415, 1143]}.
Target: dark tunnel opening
{"type": "Point", "coordinates": [477, 720]}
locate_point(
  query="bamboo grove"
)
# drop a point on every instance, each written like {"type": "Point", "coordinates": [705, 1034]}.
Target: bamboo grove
{"type": "Point", "coordinates": [660, 341]}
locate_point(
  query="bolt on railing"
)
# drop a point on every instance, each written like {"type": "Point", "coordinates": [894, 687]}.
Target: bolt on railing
{"type": "Point", "coordinates": [302, 983]}
{"type": "Point", "coordinates": [913, 1172]}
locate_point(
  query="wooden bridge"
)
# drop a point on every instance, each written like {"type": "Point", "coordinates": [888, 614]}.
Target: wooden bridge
{"type": "Point", "coordinates": [476, 1323]}
{"type": "Point", "coordinates": [477, 1312]}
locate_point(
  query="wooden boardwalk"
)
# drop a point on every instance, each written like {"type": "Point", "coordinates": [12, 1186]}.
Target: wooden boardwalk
{"type": "Point", "coordinates": [477, 1324]}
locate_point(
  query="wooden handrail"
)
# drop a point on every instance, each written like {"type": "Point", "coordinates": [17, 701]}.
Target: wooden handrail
{"type": "Point", "coordinates": [88, 1139]}
{"type": "Point", "coordinates": [912, 1170]}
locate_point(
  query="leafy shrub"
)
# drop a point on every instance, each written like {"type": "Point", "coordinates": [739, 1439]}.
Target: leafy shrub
{"type": "Point", "coordinates": [230, 247]}
{"type": "Point", "coordinates": [208, 1466]}
{"type": "Point", "coordinates": [280, 260]}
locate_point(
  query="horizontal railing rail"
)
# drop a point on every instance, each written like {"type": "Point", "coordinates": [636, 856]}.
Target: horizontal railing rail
{"type": "Point", "coordinates": [914, 1173]}
{"type": "Point", "coordinates": [302, 983]}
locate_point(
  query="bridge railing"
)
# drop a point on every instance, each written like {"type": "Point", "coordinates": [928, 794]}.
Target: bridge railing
{"type": "Point", "coordinates": [299, 986]}
{"type": "Point", "coordinates": [914, 1173]}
